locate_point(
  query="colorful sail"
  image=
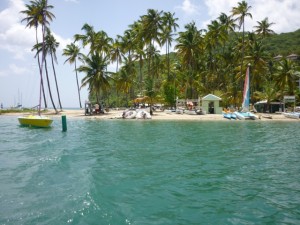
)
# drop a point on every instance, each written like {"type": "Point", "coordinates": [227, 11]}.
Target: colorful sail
{"type": "Point", "coordinates": [246, 94]}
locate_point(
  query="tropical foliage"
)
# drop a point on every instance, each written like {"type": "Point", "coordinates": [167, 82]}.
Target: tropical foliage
{"type": "Point", "coordinates": [153, 59]}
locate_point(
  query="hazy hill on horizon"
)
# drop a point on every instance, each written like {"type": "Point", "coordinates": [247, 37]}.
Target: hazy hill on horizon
{"type": "Point", "coordinates": [284, 43]}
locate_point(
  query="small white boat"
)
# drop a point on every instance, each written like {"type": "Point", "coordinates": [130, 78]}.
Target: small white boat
{"type": "Point", "coordinates": [179, 111]}
{"type": "Point", "coordinates": [229, 115]}
{"type": "Point", "coordinates": [239, 115]}
{"type": "Point", "coordinates": [190, 112]}
{"type": "Point", "coordinates": [129, 114]}
{"type": "Point", "coordinates": [246, 115]}
{"type": "Point", "coordinates": [292, 115]}
{"type": "Point", "coordinates": [35, 121]}
{"type": "Point", "coordinates": [169, 111]}
{"type": "Point", "coordinates": [142, 114]}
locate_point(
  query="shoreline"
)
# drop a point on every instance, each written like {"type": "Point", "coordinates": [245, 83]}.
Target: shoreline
{"type": "Point", "coordinates": [157, 115]}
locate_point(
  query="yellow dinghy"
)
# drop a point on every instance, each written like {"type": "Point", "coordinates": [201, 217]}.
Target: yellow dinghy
{"type": "Point", "coordinates": [35, 121]}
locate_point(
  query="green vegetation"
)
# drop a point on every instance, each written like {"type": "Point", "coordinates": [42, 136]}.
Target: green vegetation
{"type": "Point", "coordinates": [284, 44]}
{"type": "Point", "coordinates": [212, 60]}
{"type": "Point", "coordinates": [23, 110]}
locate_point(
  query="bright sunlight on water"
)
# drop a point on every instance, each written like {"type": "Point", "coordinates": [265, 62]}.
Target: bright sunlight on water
{"type": "Point", "coordinates": [150, 172]}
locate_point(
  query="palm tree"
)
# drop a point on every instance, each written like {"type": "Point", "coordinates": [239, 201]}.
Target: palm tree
{"type": "Point", "coordinates": [242, 11]}
{"type": "Point", "coordinates": [102, 43]}
{"type": "Point", "coordinates": [227, 26]}
{"type": "Point", "coordinates": [151, 32]}
{"type": "Point", "coordinates": [285, 76]}
{"type": "Point", "coordinates": [96, 76]}
{"type": "Point", "coordinates": [152, 26]}
{"type": "Point", "coordinates": [129, 43]}
{"type": "Point", "coordinates": [125, 80]}
{"type": "Point", "coordinates": [39, 48]}
{"type": "Point", "coordinates": [89, 38]}
{"type": "Point", "coordinates": [263, 28]}
{"type": "Point", "coordinates": [51, 46]}
{"type": "Point", "coordinates": [37, 12]}
{"type": "Point", "coordinates": [72, 51]}
{"type": "Point", "coordinates": [268, 93]}
{"type": "Point", "coordinates": [139, 53]}
{"type": "Point", "coordinates": [258, 58]}
{"type": "Point", "coordinates": [116, 53]}
{"type": "Point", "coordinates": [169, 26]}
{"type": "Point", "coordinates": [189, 48]}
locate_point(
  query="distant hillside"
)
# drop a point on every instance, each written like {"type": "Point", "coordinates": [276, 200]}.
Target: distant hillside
{"type": "Point", "coordinates": [284, 44]}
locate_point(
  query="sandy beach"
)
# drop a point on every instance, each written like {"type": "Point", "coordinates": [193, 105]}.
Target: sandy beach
{"type": "Point", "coordinates": [157, 115]}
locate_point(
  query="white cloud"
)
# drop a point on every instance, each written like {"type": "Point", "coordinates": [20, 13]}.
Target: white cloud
{"type": "Point", "coordinates": [16, 41]}
{"type": "Point", "coordinates": [62, 41]}
{"type": "Point", "coordinates": [188, 7]}
{"type": "Point", "coordinates": [284, 13]}
{"type": "Point", "coordinates": [216, 7]}
{"type": "Point", "coordinates": [73, 1]}
{"type": "Point", "coordinates": [14, 69]}
{"type": "Point", "coordinates": [13, 36]}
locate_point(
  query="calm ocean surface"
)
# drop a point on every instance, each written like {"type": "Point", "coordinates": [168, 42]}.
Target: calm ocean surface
{"type": "Point", "coordinates": [150, 172]}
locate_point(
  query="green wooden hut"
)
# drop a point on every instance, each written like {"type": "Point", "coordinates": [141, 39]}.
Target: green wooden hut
{"type": "Point", "coordinates": [211, 104]}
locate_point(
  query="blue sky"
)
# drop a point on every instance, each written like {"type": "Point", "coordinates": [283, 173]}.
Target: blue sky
{"type": "Point", "coordinates": [19, 80]}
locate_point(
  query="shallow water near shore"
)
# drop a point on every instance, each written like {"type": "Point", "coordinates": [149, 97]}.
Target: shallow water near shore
{"type": "Point", "coordinates": [150, 172]}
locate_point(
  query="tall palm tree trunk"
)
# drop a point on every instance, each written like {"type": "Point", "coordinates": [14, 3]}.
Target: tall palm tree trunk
{"type": "Point", "coordinates": [243, 50]}
{"type": "Point", "coordinates": [42, 63]}
{"type": "Point", "coordinates": [49, 88]}
{"type": "Point", "coordinates": [54, 72]}
{"type": "Point", "coordinates": [168, 59]}
{"type": "Point", "coordinates": [78, 89]}
{"type": "Point", "coordinates": [39, 63]}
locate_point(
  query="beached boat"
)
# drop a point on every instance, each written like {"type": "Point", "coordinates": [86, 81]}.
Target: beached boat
{"type": "Point", "coordinates": [266, 116]}
{"type": "Point", "coordinates": [143, 114]}
{"type": "Point", "coordinates": [129, 114]}
{"type": "Point", "coordinates": [229, 115]}
{"type": "Point", "coordinates": [35, 121]}
{"type": "Point", "coordinates": [292, 115]}
{"type": "Point", "coordinates": [190, 112]}
{"type": "Point", "coordinates": [245, 114]}
{"type": "Point", "coordinates": [179, 111]}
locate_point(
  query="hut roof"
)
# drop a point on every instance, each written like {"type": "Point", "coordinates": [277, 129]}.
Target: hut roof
{"type": "Point", "coordinates": [211, 97]}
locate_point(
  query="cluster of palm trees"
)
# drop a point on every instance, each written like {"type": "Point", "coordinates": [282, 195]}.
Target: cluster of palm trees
{"type": "Point", "coordinates": [212, 60]}
{"type": "Point", "coordinates": [136, 51]}
{"type": "Point", "coordinates": [38, 15]}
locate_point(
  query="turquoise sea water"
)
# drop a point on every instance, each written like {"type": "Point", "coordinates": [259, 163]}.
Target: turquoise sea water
{"type": "Point", "coordinates": [150, 172]}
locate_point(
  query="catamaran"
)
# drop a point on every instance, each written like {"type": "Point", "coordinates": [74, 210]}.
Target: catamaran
{"type": "Point", "coordinates": [245, 112]}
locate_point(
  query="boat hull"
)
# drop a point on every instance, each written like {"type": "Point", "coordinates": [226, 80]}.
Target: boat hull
{"type": "Point", "coordinates": [292, 115]}
{"type": "Point", "coordinates": [245, 116]}
{"type": "Point", "coordinates": [35, 121]}
{"type": "Point", "coordinates": [229, 115]}
{"type": "Point", "coordinates": [142, 114]}
{"type": "Point", "coordinates": [129, 115]}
